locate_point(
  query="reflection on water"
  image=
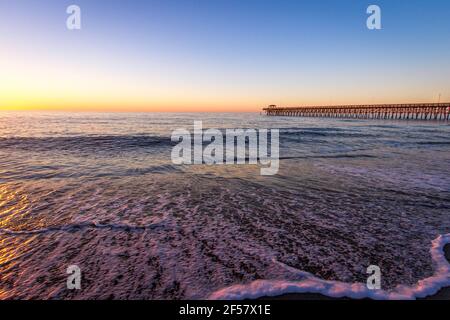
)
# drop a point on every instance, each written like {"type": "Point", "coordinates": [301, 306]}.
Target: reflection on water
{"type": "Point", "coordinates": [14, 206]}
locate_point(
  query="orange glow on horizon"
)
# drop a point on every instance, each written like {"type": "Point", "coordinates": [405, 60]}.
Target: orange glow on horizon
{"type": "Point", "coordinates": [130, 105]}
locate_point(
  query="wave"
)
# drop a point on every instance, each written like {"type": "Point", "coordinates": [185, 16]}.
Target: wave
{"type": "Point", "coordinates": [80, 226]}
{"type": "Point", "coordinates": [337, 289]}
{"type": "Point", "coordinates": [322, 132]}
{"type": "Point", "coordinates": [125, 142]}
{"type": "Point", "coordinates": [444, 143]}
{"type": "Point", "coordinates": [331, 156]}
{"type": "Point", "coordinates": [45, 172]}
{"type": "Point", "coordinates": [84, 143]}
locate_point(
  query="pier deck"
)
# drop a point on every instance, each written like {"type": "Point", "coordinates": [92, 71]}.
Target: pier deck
{"type": "Point", "coordinates": [412, 111]}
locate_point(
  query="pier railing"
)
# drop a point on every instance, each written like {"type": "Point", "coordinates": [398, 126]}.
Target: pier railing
{"type": "Point", "coordinates": [414, 111]}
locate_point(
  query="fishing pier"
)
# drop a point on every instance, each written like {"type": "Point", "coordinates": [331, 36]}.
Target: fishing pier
{"type": "Point", "coordinates": [411, 111]}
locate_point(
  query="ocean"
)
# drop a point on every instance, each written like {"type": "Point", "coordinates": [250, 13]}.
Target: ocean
{"type": "Point", "coordinates": [99, 190]}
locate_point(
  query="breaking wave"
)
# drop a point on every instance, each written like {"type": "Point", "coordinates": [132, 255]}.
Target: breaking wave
{"type": "Point", "coordinates": [337, 289]}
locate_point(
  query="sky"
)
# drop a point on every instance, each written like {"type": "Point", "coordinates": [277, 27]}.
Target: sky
{"type": "Point", "coordinates": [221, 55]}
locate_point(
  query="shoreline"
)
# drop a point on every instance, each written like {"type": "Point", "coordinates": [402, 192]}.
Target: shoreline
{"type": "Point", "coordinates": [442, 294]}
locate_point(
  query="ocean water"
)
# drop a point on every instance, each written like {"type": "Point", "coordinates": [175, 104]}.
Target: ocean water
{"type": "Point", "coordinates": [99, 190]}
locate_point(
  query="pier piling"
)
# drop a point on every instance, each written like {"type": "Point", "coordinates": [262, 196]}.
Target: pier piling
{"type": "Point", "coordinates": [412, 111]}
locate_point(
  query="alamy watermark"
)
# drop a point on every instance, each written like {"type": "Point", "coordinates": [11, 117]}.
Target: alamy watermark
{"type": "Point", "coordinates": [374, 20]}
{"type": "Point", "coordinates": [374, 280]}
{"type": "Point", "coordinates": [74, 278]}
{"type": "Point", "coordinates": [73, 21]}
{"type": "Point", "coordinates": [236, 146]}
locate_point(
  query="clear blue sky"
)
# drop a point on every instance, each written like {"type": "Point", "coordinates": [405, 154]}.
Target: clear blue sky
{"type": "Point", "coordinates": [221, 54]}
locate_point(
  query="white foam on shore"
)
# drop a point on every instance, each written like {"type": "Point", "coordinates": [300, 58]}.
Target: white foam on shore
{"type": "Point", "coordinates": [336, 289]}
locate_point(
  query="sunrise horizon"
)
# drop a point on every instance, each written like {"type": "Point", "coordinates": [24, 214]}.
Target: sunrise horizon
{"type": "Point", "coordinates": [235, 108]}
{"type": "Point", "coordinates": [220, 58]}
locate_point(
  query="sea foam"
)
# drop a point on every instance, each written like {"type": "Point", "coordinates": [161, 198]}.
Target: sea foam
{"type": "Point", "coordinates": [337, 289]}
